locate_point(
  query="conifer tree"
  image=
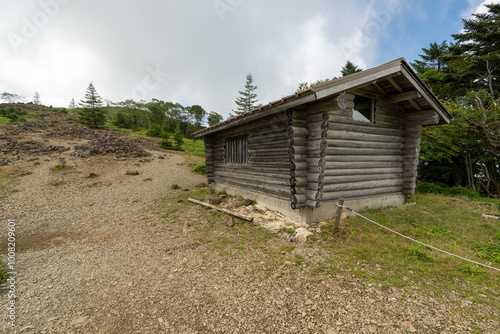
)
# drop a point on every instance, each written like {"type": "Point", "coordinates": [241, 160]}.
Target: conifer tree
{"type": "Point", "coordinates": [91, 112]}
{"type": "Point", "coordinates": [349, 68]}
{"type": "Point", "coordinates": [247, 99]}
{"type": "Point", "coordinates": [36, 98]}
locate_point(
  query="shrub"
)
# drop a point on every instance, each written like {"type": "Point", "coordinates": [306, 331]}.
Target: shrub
{"type": "Point", "coordinates": [154, 131]}
{"type": "Point", "coordinates": [179, 138]}
{"type": "Point", "coordinates": [165, 144]}
{"type": "Point", "coordinates": [200, 169]}
{"type": "Point", "coordinates": [14, 114]}
{"type": "Point", "coordinates": [430, 188]}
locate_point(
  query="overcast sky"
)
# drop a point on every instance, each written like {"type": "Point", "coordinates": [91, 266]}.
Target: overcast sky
{"type": "Point", "coordinates": [199, 51]}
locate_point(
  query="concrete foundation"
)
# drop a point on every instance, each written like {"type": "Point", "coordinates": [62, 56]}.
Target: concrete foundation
{"type": "Point", "coordinates": [310, 215]}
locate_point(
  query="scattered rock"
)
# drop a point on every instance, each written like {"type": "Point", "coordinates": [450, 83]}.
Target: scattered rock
{"type": "Point", "coordinates": [239, 271]}
{"type": "Point", "coordinates": [247, 202]}
{"type": "Point", "coordinates": [300, 235]}
{"type": "Point", "coordinates": [407, 326]}
{"type": "Point", "coordinates": [161, 157]}
{"type": "Point", "coordinates": [148, 179]}
{"type": "Point", "coordinates": [132, 172]}
{"type": "Point", "coordinates": [201, 185]}
{"type": "Point", "coordinates": [215, 200]}
{"type": "Point", "coordinates": [230, 222]}
{"type": "Point", "coordinates": [331, 331]}
{"type": "Point", "coordinates": [92, 175]}
{"type": "Point", "coordinates": [80, 320]}
{"type": "Point", "coordinates": [465, 198]}
{"type": "Point", "coordinates": [308, 302]}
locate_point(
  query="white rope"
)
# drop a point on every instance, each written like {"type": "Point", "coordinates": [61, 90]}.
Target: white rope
{"type": "Point", "coordinates": [419, 242]}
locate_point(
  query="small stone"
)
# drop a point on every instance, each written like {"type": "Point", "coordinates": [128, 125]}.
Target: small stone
{"type": "Point", "coordinates": [308, 302]}
{"type": "Point", "coordinates": [288, 263]}
{"type": "Point", "coordinates": [230, 222]}
{"type": "Point", "coordinates": [80, 320]}
{"type": "Point", "coordinates": [132, 172]}
{"type": "Point", "coordinates": [92, 176]}
{"type": "Point", "coordinates": [215, 200]}
{"type": "Point", "coordinates": [148, 179]}
{"type": "Point", "coordinates": [407, 326]}
{"type": "Point", "coordinates": [26, 328]}
{"type": "Point", "coordinates": [247, 202]}
{"type": "Point", "coordinates": [331, 331]}
{"type": "Point", "coordinates": [239, 271]}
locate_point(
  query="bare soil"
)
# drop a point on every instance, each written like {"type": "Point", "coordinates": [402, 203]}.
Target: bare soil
{"type": "Point", "coordinates": [100, 251]}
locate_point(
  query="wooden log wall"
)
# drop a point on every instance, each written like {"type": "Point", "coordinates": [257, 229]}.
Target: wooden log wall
{"type": "Point", "coordinates": [268, 168]}
{"type": "Point", "coordinates": [209, 158]}
{"type": "Point", "coordinates": [411, 150]}
{"type": "Point", "coordinates": [297, 154]}
{"type": "Point", "coordinates": [317, 129]}
{"type": "Point", "coordinates": [362, 159]}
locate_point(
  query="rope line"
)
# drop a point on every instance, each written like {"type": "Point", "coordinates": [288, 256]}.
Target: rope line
{"type": "Point", "coordinates": [419, 242]}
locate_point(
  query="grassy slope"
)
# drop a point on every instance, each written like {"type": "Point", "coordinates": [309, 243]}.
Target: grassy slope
{"type": "Point", "coordinates": [375, 255]}
{"type": "Point", "coordinates": [451, 224]}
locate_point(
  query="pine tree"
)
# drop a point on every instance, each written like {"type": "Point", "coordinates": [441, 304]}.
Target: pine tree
{"type": "Point", "coordinates": [36, 98]}
{"type": "Point", "coordinates": [72, 103]}
{"type": "Point", "coordinates": [476, 54]}
{"type": "Point", "coordinates": [432, 59]}
{"type": "Point", "coordinates": [247, 99]}
{"type": "Point", "coordinates": [91, 112]}
{"type": "Point", "coordinates": [349, 68]}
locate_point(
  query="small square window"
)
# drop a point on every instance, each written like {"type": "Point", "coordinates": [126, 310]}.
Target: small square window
{"type": "Point", "coordinates": [236, 150]}
{"type": "Point", "coordinates": [364, 109]}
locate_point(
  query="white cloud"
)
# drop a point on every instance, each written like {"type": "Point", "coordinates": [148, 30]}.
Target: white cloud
{"type": "Point", "coordinates": [203, 59]}
{"type": "Point", "coordinates": [477, 7]}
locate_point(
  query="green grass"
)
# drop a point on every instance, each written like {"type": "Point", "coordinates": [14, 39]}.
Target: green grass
{"type": "Point", "coordinates": [195, 147]}
{"type": "Point", "coordinates": [200, 169]}
{"type": "Point", "coordinates": [60, 168]}
{"type": "Point", "coordinates": [448, 223]}
{"type": "Point", "coordinates": [361, 248]}
{"type": "Point", "coordinates": [4, 120]}
{"type": "Point", "coordinates": [6, 178]}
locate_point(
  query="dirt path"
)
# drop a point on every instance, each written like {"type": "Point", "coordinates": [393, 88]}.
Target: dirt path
{"type": "Point", "coordinates": [119, 253]}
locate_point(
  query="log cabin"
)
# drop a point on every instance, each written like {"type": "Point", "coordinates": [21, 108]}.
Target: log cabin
{"type": "Point", "coordinates": [355, 137]}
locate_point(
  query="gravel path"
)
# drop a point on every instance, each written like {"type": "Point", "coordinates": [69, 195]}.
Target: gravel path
{"type": "Point", "coordinates": [118, 253]}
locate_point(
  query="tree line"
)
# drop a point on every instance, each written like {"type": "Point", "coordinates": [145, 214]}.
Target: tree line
{"type": "Point", "coordinates": [464, 74]}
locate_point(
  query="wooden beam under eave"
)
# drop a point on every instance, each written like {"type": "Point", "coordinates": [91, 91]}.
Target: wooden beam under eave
{"type": "Point", "coordinates": [416, 105]}
{"type": "Point", "coordinates": [380, 89]}
{"type": "Point", "coordinates": [411, 95]}
{"type": "Point", "coordinates": [396, 85]}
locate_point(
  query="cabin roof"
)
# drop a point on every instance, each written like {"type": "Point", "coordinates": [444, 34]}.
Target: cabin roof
{"type": "Point", "coordinates": [394, 82]}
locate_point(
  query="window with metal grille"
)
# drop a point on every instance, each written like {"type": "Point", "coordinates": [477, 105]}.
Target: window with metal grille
{"type": "Point", "coordinates": [236, 150]}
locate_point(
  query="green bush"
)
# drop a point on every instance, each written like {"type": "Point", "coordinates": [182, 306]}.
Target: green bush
{"type": "Point", "coordinates": [123, 121]}
{"type": "Point", "coordinates": [200, 169]}
{"type": "Point", "coordinates": [430, 188]}
{"type": "Point", "coordinates": [179, 138]}
{"type": "Point", "coordinates": [14, 114]}
{"type": "Point", "coordinates": [154, 131]}
{"type": "Point", "coordinates": [165, 144]}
